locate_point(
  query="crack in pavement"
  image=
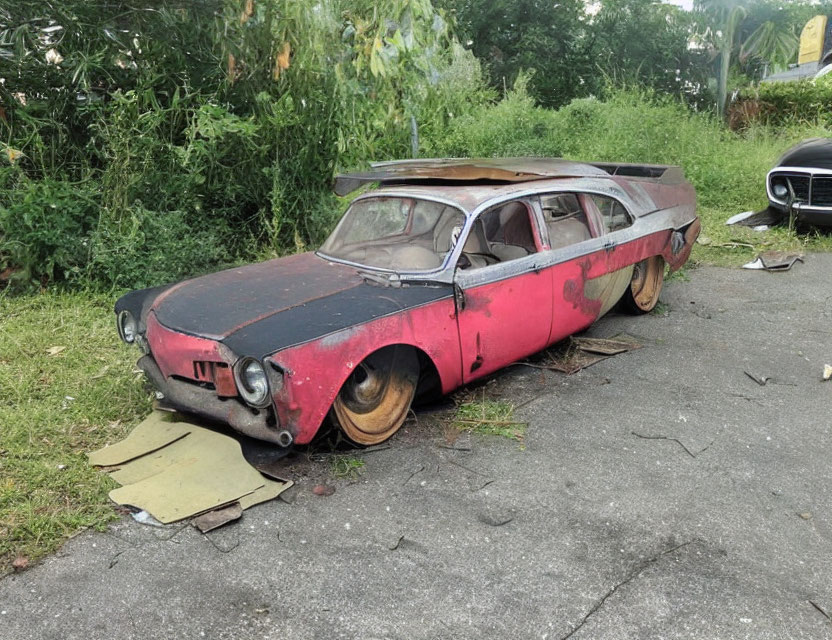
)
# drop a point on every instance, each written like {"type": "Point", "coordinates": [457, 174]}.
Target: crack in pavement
{"type": "Point", "coordinates": [635, 573]}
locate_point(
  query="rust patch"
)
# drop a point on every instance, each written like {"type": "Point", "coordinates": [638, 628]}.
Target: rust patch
{"type": "Point", "coordinates": [573, 293]}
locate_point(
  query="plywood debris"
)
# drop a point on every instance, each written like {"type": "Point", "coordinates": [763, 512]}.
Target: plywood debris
{"type": "Point", "coordinates": [176, 470]}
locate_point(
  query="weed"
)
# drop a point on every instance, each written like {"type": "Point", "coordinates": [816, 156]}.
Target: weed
{"type": "Point", "coordinates": [346, 467]}
{"type": "Point", "coordinates": [489, 417]}
{"type": "Point", "coordinates": [661, 309]}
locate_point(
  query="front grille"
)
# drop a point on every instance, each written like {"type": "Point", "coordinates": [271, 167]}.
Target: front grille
{"type": "Point", "coordinates": [800, 186]}
{"type": "Point", "coordinates": [822, 192]}
{"type": "Point", "coordinates": [815, 191]}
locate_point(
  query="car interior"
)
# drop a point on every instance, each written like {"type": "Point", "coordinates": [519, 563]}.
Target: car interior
{"type": "Point", "coordinates": [565, 220]}
{"type": "Point", "coordinates": [501, 234]}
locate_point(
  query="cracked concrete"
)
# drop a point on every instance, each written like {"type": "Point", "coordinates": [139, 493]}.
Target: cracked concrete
{"type": "Point", "coordinates": [587, 531]}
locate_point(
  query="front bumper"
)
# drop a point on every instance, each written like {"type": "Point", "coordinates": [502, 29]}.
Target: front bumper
{"type": "Point", "coordinates": [194, 399]}
{"type": "Point", "coordinates": [804, 214]}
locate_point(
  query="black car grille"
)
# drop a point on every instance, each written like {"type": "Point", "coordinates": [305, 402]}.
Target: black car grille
{"type": "Point", "coordinates": [800, 185]}
{"type": "Point", "coordinates": [814, 191]}
{"type": "Point", "coordinates": [822, 192]}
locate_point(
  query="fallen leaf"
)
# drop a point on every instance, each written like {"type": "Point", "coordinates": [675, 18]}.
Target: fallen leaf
{"type": "Point", "coordinates": [323, 490]}
{"type": "Point", "coordinates": [20, 563]}
{"type": "Point", "coordinates": [53, 351]}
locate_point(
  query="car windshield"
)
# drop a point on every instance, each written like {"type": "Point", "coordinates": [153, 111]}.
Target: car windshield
{"type": "Point", "coordinates": [396, 233]}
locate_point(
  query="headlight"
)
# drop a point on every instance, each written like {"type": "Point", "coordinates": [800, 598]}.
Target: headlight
{"type": "Point", "coordinates": [128, 329]}
{"type": "Point", "coordinates": [780, 190]}
{"type": "Point", "coordinates": [252, 383]}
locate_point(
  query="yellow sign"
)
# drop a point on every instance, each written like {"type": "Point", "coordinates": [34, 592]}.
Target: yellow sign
{"type": "Point", "coordinates": [811, 40]}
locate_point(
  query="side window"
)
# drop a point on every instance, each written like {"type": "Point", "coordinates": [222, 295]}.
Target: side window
{"type": "Point", "coordinates": [613, 214]}
{"type": "Point", "coordinates": [565, 220]}
{"type": "Point", "coordinates": [500, 234]}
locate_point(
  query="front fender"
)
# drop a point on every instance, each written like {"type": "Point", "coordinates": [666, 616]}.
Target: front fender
{"type": "Point", "coordinates": [314, 372]}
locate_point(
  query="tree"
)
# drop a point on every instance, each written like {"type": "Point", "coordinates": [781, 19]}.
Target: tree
{"type": "Point", "coordinates": [738, 33]}
{"type": "Point", "coordinates": [647, 42]}
{"type": "Point", "coordinates": [513, 35]}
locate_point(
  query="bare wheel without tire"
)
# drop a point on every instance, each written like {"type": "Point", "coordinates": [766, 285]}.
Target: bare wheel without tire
{"type": "Point", "coordinates": [375, 399]}
{"type": "Point", "coordinates": [643, 293]}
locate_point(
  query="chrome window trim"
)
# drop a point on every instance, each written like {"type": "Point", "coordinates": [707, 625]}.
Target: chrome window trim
{"type": "Point", "coordinates": [643, 224]}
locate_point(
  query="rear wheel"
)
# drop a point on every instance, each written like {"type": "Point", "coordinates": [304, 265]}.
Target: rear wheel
{"type": "Point", "coordinates": [643, 293]}
{"type": "Point", "coordinates": [374, 401]}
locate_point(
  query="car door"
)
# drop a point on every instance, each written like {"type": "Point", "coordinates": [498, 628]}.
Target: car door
{"type": "Point", "coordinates": [504, 297]}
{"type": "Point", "coordinates": [613, 219]}
{"type": "Point", "coordinates": [580, 235]}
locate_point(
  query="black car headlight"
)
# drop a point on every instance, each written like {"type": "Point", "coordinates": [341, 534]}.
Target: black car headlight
{"type": "Point", "coordinates": [128, 328]}
{"type": "Point", "coordinates": [252, 382]}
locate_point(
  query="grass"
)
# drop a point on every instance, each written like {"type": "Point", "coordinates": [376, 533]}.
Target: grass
{"type": "Point", "coordinates": [491, 418]}
{"type": "Point", "coordinates": [346, 467]}
{"type": "Point", "coordinates": [55, 406]}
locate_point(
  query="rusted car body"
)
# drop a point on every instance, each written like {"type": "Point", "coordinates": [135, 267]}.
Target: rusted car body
{"type": "Point", "coordinates": [443, 273]}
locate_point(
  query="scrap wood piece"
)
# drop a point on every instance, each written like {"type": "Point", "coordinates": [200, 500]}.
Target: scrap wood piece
{"type": "Point", "coordinates": [154, 432]}
{"type": "Point", "coordinates": [608, 346]}
{"type": "Point", "coordinates": [574, 361]}
{"type": "Point", "coordinates": [584, 352]}
{"type": "Point", "coordinates": [774, 261]}
{"type": "Point", "coordinates": [196, 473]}
{"type": "Point", "coordinates": [218, 517]}
{"type": "Point", "coordinates": [196, 445]}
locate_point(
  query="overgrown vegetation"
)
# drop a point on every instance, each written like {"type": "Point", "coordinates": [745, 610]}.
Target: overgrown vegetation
{"type": "Point", "coordinates": [149, 142]}
{"type": "Point", "coordinates": [784, 103]}
{"type": "Point", "coordinates": [66, 388]}
{"type": "Point", "coordinates": [727, 168]}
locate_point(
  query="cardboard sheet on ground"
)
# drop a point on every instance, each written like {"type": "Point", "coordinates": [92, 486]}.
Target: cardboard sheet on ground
{"type": "Point", "coordinates": [198, 472]}
{"type": "Point", "coordinates": [154, 432]}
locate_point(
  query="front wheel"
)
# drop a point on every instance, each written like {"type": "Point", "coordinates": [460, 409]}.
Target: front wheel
{"type": "Point", "coordinates": [374, 401]}
{"type": "Point", "coordinates": [643, 293]}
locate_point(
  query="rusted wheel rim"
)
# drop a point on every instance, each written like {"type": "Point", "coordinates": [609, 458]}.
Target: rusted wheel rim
{"type": "Point", "coordinates": [646, 285]}
{"type": "Point", "coordinates": [374, 401]}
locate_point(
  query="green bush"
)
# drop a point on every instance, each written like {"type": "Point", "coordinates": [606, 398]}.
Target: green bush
{"type": "Point", "coordinates": [143, 248]}
{"type": "Point", "coordinates": [219, 155]}
{"type": "Point", "coordinates": [45, 227]}
{"type": "Point", "coordinates": [784, 103]}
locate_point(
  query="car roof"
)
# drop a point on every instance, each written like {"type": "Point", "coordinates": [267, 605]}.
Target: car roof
{"type": "Point", "coordinates": [470, 182]}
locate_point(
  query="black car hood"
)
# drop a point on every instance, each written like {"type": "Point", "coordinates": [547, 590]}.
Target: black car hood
{"type": "Point", "coordinates": [814, 152]}
{"type": "Point", "coordinates": [259, 309]}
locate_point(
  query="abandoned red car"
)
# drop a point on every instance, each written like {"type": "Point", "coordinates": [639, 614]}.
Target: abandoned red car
{"type": "Point", "coordinates": [445, 272]}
